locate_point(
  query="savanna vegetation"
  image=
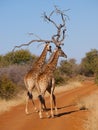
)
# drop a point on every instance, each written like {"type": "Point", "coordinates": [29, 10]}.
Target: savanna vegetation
{"type": "Point", "coordinates": [13, 67]}
{"type": "Point", "coordinates": [90, 103]}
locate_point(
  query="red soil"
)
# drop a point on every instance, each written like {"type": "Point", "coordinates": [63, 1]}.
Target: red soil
{"type": "Point", "coordinates": [69, 117]}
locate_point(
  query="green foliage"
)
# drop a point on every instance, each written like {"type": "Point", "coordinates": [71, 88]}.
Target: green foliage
{"type": "Point", "coordinates": [7, 88]}
{"type": "Point", "coordinates": [59, 79]}
{"type": "Point", "coordinates": [96, 76]}
{"type": "Point", "coordinates": [69, 67]}
{"type": "Point", "coordinates": [65, 67]}
{"type": "Point", "coordinates": [96, 79]}
{"type": "Point", "coordinates": [1, 62]}
{"type": "Point", "coordinates": [21, 56]}
{"type": "Point", "coordinates": [17, 57]}
{"type": "Point", "coordinates": [89, 64]}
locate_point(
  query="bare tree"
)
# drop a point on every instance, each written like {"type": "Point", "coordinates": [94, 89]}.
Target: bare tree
{"type": "Point", "coordinates": [57, 38]}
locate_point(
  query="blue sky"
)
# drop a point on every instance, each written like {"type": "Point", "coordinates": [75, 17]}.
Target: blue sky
{"type": "Point", "coordinates": [20, 17]}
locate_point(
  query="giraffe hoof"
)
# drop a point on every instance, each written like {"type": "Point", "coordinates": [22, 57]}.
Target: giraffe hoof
{"type": "Point", "coordinates": [48, 116]}
{"type": "Point", "coordinates": [41, 117]}
{"type": "Point", "coordinates": [52, 116]}
{"type": "Point", "coordinates": [42, 110]}
{"type": "Point", "coordinates": [36, 110]}
{"type": "Point", "coordinates": [26, 111]}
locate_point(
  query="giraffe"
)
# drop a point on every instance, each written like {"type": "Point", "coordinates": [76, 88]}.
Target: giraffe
{"type": "Point", "coordinates": [46, 82]}
{"type": "Point", "coordinates": [30, 77]}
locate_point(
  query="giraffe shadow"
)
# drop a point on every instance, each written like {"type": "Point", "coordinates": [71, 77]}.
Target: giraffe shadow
{"type": "Point", "coordinates": [69, 112]}
{"type": "Point", "coordinates": [65, 113]}
{"type": "Point", "coordinates": [48, 109]}
{"type": "Point", "coordinates": [66, 106]}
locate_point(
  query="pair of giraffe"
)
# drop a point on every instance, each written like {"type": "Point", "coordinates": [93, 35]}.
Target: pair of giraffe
{"type": "Point", "coordinates": [43, 79]}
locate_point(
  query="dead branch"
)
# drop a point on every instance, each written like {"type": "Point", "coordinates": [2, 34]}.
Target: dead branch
{"type": "Point", "coordinates": [34, 35]}
{"type": "Point", "coordinates": [59, 37]}
{"type": "Point", "coordinates": [47, 18]}
{"type": "Point", "coordinates": [27, 44]}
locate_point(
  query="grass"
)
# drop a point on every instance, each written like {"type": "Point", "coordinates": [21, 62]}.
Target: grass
{"type": "Point", "coordinates": [91, 103]}
{"type": "Point", "coordinates": [69, 86]}
{"type": "Point", "coordinates": [5, 105]}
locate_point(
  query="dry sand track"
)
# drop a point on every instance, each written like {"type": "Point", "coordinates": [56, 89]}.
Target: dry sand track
{"type": "Point", "coordinates": [69, 117]}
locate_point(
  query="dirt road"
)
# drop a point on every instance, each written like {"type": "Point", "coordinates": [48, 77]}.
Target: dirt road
{"type": "Point", "coordinates": [69, 117]}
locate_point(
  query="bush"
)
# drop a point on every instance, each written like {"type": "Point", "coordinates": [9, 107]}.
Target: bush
{"type": "Point", "coordinates": [96, 79]}
{"type": "Point", "coordinates": [15, 73]}
{"type": "Point", "coordinates": [7, 88]}
{"type": "Point", "coordinates": [19, 57]}
{"type": "Point", "coordinates": [59, 79]}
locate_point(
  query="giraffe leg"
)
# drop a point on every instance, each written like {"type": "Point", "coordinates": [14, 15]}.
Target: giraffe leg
{"type": "Point", "coordinates": [35, 109]}
{"type": "Point", "coordinates": [51, 103]}
{"type": "Point", "coordinates": [54, 101]}
{"type": "Point", "coordinates": [42, 103]}
{"type": "Point", "coordinates": [44, 108]}
{"type": "Point", "coordinates": [26, 108]}
{"type": "Point", "coordinates": [30, 96]}
{"type": "Point", "coordinates": [50, 91]}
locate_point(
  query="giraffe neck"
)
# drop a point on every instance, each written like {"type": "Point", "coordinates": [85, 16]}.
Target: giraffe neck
{"type": "Point", "coordinates": [51, 57]}
{"type": "Point", "coordinates": [41, 60]}
{"type": "Point", "coordinates": [51, 66]}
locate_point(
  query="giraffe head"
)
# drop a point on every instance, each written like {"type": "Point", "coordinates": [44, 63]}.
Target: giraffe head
{"type": "Point", "coordinates": [49, 48]}
{"type": "Point", "coordinates": [61, 52]}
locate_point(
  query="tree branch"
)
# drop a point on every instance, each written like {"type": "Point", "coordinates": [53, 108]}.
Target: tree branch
{"type": "Point", "coordinates": [47, 18]}
{"type": "Point", "coordinates": [57, 38]}
{"type": "Point", "coordinates": [34, 35]}
{"type": "Point", "coordinates": [60, 27]}
{"type": "Point", "coordinates": [27, 44]}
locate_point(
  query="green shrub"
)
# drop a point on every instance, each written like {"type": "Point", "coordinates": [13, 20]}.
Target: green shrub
{"type": "Point", "coordinates": [7, 88]}
{"type": "Point", "coordinates": [18, 57]}
{"type": "Point", "coordinates": [96, 79]}
{"type": "Point", "coordinates": [59, 80]}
